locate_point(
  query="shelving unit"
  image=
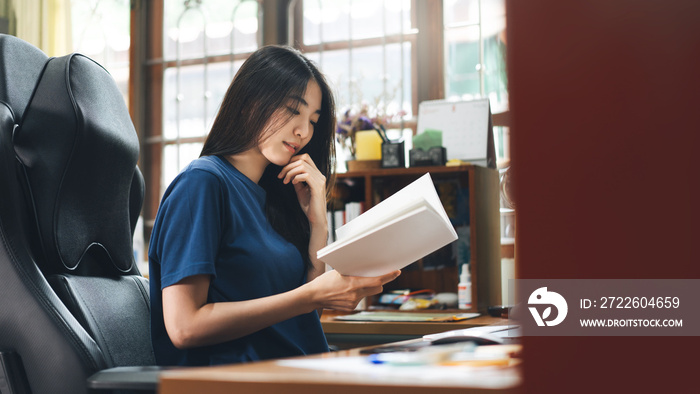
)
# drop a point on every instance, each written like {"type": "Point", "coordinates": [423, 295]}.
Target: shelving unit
{"type": "Point", "coordinates": [439, 271]}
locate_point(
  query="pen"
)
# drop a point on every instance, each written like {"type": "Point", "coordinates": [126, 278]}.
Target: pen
{"type": "Point", "coordinates": [455, 355]}
{"type": "Point", "coordinates": [420, 357]}
{"type": "Point", "coordinates": [381, 131]}
{"type": "Point", "coordinates": [401, 358]}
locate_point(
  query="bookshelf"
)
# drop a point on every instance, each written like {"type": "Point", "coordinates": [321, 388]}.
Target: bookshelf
{"type": "Point", "coordinates": [470, 195]}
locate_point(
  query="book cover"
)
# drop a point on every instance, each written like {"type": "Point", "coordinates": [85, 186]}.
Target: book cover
{"type": "Point", "coordinates": [391, 235]}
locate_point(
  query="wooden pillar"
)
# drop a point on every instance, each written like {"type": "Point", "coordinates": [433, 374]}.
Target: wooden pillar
{"type": "Point", "coordinates": [605, 134]}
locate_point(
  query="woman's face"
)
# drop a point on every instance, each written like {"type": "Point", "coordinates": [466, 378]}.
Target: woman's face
{"type": "Point", "coordinates": [285, 140]}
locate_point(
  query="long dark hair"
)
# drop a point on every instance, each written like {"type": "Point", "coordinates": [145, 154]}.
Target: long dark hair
{"type": "Point", "coordinates": [264, 84]}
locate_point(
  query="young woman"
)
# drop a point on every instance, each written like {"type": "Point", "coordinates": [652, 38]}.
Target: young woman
{"type": "Point", "coordinates": [233, 269]}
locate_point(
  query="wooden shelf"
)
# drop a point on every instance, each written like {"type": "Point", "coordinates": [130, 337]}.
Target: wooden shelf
{"type": "Point", "coordinates": [481, 185]}
{"type": "Point", "coordinates": [379, 172]}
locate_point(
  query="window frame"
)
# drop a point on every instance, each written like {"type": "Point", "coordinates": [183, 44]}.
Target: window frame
{"type": "Point", "coordinates": [427, 72]}
{"type": "Point", "coordinates": [147, 71]}
{"type": "Point", "coordinates": [147, 67]}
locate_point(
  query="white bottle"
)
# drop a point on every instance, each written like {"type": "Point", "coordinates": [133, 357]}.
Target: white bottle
{"type": "Point", "coordinates": [464, 288]}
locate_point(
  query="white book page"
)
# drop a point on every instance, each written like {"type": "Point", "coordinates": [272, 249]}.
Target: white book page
{"type": "Point", "coordinates": [392, 245]}
{"type": "Point", "coordinates": [400, 202]}
{"type": "Point", "coordinates": [414, 209]}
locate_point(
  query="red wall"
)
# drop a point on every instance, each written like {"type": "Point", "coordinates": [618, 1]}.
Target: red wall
{"type": "Point", "coordinates": [605, 97]}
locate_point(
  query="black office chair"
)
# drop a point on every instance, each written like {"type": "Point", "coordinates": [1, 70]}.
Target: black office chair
{"type": "Point", "coordinates": [73, 305]}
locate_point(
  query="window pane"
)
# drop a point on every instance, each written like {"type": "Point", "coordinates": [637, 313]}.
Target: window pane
{"type": "Point", "coordinates": [326, 21]}
{"type": "Point", "coordinates": [183, 102]}
{"type": "Point", "coordinates": [495, 78]}
{"type": "Point", "coordinates": [220, 77]}
{"type": "Point", "coordinates": [475, 50]}
{"type": "Point", "coordinates": [501, 137]}
{"type": "Point", "coordinates": [407, 95]}
{"type": "Point", "coordinates": [227, 24]}
{"type": "Point", "coordinates": [174, 160]}
{"type": "Point", "coordinates": [101, 32]}
{"type": "Point", "coordinates": [334, 65]}
{"type": "Point", "coordinates": [494, 38]}
{"type": "Point", "coordinates": [461, 11]}
{"type": "Point", "coordinates": [184, 31]}
{"type": "Point", "coordinates": [189, 109]}
{"type": "Point", "coordinates": [398, 16]}
{"type": "Point", "coordinates": [195, 31]}
{"type": "Point", "coordinates": [340, 20]}
{"type": "Point", "coordinates": [364, 73]}
{"type": "Point", "coordinates": [367, 75]}
{"type": "Point", "coordinates": [367, 19]}
{"type": "Point", "coordinates": [364, 80]}
{"type": "Point", "coordinates": [462, 60]}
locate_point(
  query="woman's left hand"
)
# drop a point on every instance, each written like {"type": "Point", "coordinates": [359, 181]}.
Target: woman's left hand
{"type": "Point", "coordinates": [310, 186]}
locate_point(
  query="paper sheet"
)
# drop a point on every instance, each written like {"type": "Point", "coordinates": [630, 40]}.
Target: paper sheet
{"type": "Point", "coordinates": [393, 234]}
{"type": "Point", "coordinates": [464, 126]}
{"type": "Point", "coordinates": [480, 377]}
{"type": "Point", "coordinates": [409, 196]}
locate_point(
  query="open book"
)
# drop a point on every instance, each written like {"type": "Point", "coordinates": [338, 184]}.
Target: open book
{"type": "Point", "coordinates": [393, 234]}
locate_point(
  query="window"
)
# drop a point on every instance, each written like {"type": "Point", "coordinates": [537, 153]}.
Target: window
{"type": "Point", "coordinates": [204, 42]}
{"type": "Point", "coordinates": [365, 49]}
{"type": "Point", "coordinates": [101, 31]}
{"type": "Point", "coordinates": [475, 47]}
{"type": "Point", "coordinates": [388, 54]}
{"type": "Point", "coordinates": [194, 49]}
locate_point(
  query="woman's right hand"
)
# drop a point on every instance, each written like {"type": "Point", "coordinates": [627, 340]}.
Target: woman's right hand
{"type": "Point", "coordinates": [341, 292]}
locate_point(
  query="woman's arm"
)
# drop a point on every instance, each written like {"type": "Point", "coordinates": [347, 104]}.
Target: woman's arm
{"type": "Point", "coordinates": [190, 321]}
{"type": "Point", "coordinates": [319, 238]}
{"type": "Point", "coordinates": [310, 186]}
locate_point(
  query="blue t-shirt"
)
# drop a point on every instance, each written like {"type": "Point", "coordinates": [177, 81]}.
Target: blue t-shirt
{"type": "Point", "coordinates": [212, 221]}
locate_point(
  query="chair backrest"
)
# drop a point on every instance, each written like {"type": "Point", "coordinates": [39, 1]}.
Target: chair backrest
{"type": "Point", "coordinates": [20, 67]}
{"type": "Point", "coordinates": [73, 301]}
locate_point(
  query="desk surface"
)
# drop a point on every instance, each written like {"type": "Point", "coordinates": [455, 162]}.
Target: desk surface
{"type": "Point", "coordinates": [270, 377]}
{"type": "Point", "coordinates": [331, 326]}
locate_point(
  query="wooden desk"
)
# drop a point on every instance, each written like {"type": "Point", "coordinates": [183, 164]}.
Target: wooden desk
{"type": "Point", "coordinates": [268, 377]}
{"type": "Point", "coordinates": [352, 334]}
{"type": "Point", "coordinates": [332, 326]}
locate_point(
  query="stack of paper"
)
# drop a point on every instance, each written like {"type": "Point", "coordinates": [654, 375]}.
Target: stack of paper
{"type": "Point", "coordinates": [406, 316]}
{"type": "Point", "coordinates": [393, 234]}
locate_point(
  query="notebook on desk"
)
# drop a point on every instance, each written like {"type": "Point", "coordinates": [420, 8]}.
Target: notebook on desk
{"type": "Point", "coordinates": [502, 334]}
{"type": "Point", "coordinates": [484, 335]}
{"type": "Point", "coordinates": [406, 316]}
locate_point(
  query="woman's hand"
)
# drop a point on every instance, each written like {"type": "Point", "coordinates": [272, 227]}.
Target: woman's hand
{"type": "Point", "coordinates": [310, 186]}
{"type": "Point", "coordinates": [335, 291]}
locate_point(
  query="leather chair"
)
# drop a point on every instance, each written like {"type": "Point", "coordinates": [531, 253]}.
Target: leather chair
{"type": "Point", "coordinates": [74, 309]}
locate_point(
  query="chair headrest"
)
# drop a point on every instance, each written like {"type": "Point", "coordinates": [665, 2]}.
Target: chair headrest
{"type": "Point", "coordinates": [20, 66]}
{"type": "Point", "coordinates": [79, 149]}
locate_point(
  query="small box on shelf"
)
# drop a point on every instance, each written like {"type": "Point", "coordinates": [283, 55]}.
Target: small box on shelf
{"type": "Point", "coordinates": [393, 154]}
{"type": "Point", "coordinates": [435, 156]}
